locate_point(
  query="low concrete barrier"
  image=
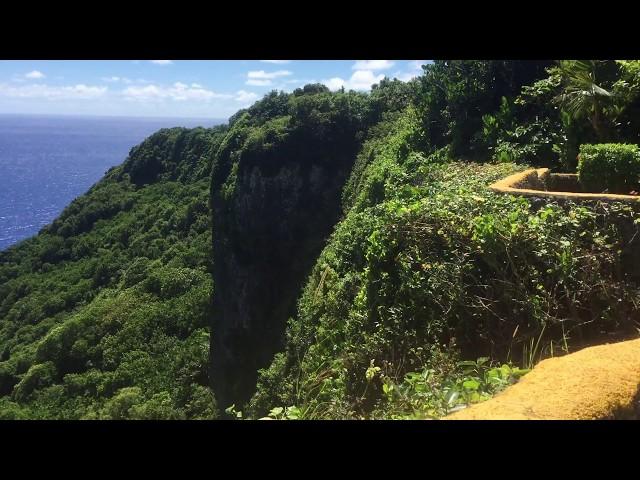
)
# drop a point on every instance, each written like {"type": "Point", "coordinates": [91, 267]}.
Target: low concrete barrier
{"type": "Point", "coordinates": [540, 183]}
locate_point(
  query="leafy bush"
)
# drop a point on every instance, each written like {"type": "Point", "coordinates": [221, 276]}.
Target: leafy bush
{"type": "Point", "coordinates": [38, 376]}
{"type": "Point", "coordinates": [120, 405]}
{"type": "Point", "coordinates": [609, 166]}
{"type": "Point", "coordinates": [438, 389]}
{"type": "Point", "coordinates": [443, 387]}
{"type": "Point", "coordinates": [11, 410]}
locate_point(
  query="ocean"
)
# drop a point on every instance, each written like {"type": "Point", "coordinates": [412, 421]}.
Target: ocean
{"type": "Point", "coordinates": [47, 161]}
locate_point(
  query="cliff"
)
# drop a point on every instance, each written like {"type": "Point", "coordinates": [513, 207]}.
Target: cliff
{"type": "Point", "coordinates": [275, 197]}
{"type": "Point", "coordinates": [332, 255]}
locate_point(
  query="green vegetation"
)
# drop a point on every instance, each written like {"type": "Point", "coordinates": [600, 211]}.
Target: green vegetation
{"type": "Point", "coordinates": [105, 313]}
{"type": "Point", "coordinates": [428, 265]}
{"type": "Point", "coordinates": [610, 167]}
{"type": "Point", "coordinates": [275, 196]}
{"type": "Point", "coordinates": [427, 394]}
{"type": "Point", "coordinates": [442, 264]}
{"type": "Point", "coordinates": [344, 250]}
{"type": "Point", "coordinates": [582, 96]}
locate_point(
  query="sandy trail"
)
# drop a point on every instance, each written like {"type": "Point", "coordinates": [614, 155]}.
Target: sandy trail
{"type": "Point", "coordinates": [601, 382]}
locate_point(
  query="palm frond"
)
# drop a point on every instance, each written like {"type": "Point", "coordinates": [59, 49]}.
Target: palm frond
{"type": "Point", "coordinates": [582, 95]}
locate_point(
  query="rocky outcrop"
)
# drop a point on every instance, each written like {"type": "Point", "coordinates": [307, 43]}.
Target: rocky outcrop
{"type": "Point", "coordinates": [272, 210]}
{"type": "Point", "coordinates": [595, 383]}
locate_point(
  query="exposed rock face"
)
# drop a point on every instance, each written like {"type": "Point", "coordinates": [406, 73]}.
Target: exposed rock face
{"type": "Point", "coordinates": [272, 212]}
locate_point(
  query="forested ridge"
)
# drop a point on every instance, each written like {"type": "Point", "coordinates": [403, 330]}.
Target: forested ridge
{"type": "Point", "coordinates": [105, 312]}
{"type": "Point", "coordinates": [334, 254]}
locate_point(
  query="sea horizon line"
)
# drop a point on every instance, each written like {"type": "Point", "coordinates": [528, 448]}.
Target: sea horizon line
{"type": "Point", "coordinates": [136, 117]}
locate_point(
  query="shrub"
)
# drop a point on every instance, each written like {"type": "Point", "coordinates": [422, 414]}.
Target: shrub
{"type": "Point", "coordinates": [609, 166]}
{"type": "Point", "coordinates": [55, 345]}
{"type": "Point", "coordinates": [442, 387]}
{"type": "Point", "coordinates": [159, 407]}
{"type": "Point", "coordinates": [168, 282]}
{"type": "Point", "coordinates": [441, 155]}
{"type": "Point", "coordinates": [11, 410]}
{"type": "Point", "coordinates": [119, 407]}
{"type": "Point", "coordinates": [38, 376]}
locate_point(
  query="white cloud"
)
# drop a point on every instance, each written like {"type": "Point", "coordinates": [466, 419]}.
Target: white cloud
{"type": "Point", "coordinates": [79, 91]}
{"type": "Point", "coordinates": [246, 97]}
{"type": "Point", "coordinates": [277, 62]}
{"type": "Point", "coordinates": [261, 74]}
{"type": "Point", "coordinates": [414, 69]}
{"type": "Point", "coordinates": [196, 85]}
{"type": "Point", "coordinates": [258, 83]}
{"type": "Point", "coordinates": [292, 84]}
{"type": "Point", "coordinates": [360, 80]}
{"type": "Point", "coordinates": [35, 74]}
{"type": "Point", "coordinates": [363, 79]}
{"type": "Point", "coordinates": [161, 62]}
{"type": "Point", "coordinates": [335, 83]}
{"type": "Point", "coordinates": [142, 93]}
{"type": "Point", "coordinates": [260, 78]}
{"type": "Point", "coordinates": [372, 65]}
{"type": "Point", "coordinates": [178, 91]}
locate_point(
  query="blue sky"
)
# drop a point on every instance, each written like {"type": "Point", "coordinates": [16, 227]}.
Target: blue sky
{"type": "Point", "coordinates": [175, 88]}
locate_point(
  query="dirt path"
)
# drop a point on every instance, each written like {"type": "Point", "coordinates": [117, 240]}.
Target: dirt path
{"type": "Point", "coordinates": [594, 383]}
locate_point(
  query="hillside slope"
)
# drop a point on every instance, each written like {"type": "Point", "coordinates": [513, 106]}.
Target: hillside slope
{"type": "Point", "coordinates": [104, 314]}
{"type": "Point", "coordinates": [429, 267]}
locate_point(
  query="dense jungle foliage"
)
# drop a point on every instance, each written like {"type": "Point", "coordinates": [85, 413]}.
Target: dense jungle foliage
{"type": "Point", "coordinates": [104, 314]}
{"type": "Point", "coordinates": [431, 292]}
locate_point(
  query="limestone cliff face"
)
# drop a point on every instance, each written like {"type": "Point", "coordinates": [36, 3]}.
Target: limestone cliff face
{"type": "Point", "coordinates": [273, 207]}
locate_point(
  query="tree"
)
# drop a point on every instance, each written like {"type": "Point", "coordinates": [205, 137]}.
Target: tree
{"type": "Point", "coordinates": [583, 96]}
{"type": "Point", "coordinates": [453, 95]}
{"type": "Point", "coordinates": [627, 94]}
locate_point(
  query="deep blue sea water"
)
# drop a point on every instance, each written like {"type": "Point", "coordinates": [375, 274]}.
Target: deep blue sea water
{"type": "Point", "coordinates": [47, 161]}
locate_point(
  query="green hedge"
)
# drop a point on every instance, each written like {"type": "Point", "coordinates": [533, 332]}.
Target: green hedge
{"type": "Point", "coordinates": [614, 167]}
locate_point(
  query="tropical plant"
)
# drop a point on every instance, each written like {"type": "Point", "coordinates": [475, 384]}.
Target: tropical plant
{"type": "Point", "coordinates": [583, 96]}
